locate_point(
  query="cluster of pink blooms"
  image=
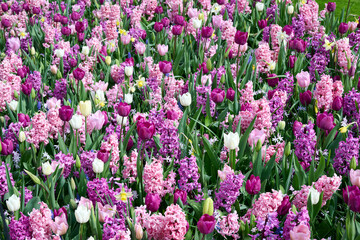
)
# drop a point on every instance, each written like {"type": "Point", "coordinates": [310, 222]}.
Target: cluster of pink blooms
{"type": "Point", "coordinates": [39, 131]}
{"type": "Point", "coordinates": [112, 145]}
{"type": "Point", "coordinates": [130, 171]}
{"type": "Point", "coordinates": [228, 226]}
{"type": "Point", "coordinates": [326, 90]}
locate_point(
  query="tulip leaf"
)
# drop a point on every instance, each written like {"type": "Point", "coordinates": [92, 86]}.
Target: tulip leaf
{"type": "Point", "coordinates": [244, 138]}
{"type": "Point", "coordinates": [33, 203]}
{"type": "Point", "coordinates": [331, 136]}
{"type": "Point", "coordinates": [62, 145]}
{"type": "Point", "coordinates": [212, 161]}
{"type": "Point", "coordinates": [266, 173]}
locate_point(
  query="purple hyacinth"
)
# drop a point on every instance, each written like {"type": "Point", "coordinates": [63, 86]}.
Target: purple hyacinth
{"type": "Point", "coordinates": [349, 107]}
{"type": "Point", "coordinates": [189, 176]}
{"type": "Point", "coordinates": [277, 110]}
{"type": "Point", "coordinates": [35, 79]}
{"type": "Point", "coordinates": [266, 228]}
{"type": "Point", "coordinates": [343, 155]}
{"type": "Point", "coordinates": [20, 229]}
{"type": "Point", "coordinates": [286, 84]}
{"type": "Point", "coordinates": [112, 226]}
{"type": "Point", "coordinates": [304, 144]}
{"type": "Point", "coordinates": [298, 26]}
{"type": "Point", "coordinates": [60, 89]}
{"type": "Point", "coordinates": [86, 159]}
{"type": "Point", "coordinates": [295, 219]}
{"type": "Point", "coordinates": [3, 183]}
{"type": "Point", "coordinates": [67, 161]}
{"type": "Point", "coordinates": [354, 39]}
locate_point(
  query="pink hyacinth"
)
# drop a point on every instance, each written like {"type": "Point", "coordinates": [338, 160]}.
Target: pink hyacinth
{"type": "Point", "coordinates": [40, 129]}
{"type": "Point", "coordinates": [323, 92]}
{"type": "Point", "coordinates": [261, 110]}
{"type": "Point", "coordinates": [301, 197]}
{"type": "Point", "coordinates": [310, 13]}
{"type": "Point", "coordinates": [344, 54]}
{"type": "Point", "coordinates": [112, 145]}
{"type": "Point", "coordinates": [130, 170]}
{"type": "Point", "coordinates": [328, 185]}
{"type": "Point", "coordinates": [229, 225]}
{"type": "Point", "coordinates": [40, 221]}
{"type": "Point", "coordinates": [263, 57]}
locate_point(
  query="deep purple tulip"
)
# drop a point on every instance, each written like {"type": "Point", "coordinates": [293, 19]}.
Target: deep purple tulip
{"type": "Point", "coordinates": [351, 195]}
{"type": "Point", "coordinates": [305, 97]}
{"type": "Point", "coordinates": [80, 27]}
{"type": "Point", "coordinates": [172, 115]}
{"type": "Point", "coordinates": [351, 72]}
{"type": "Point", "coordinates": [292, 61]}
{"type": "Point", "coordinates": [57, 17]}
{"type": "Point", "coordinates": [262, 23]}
{"type": "Point", "coordinates": [165, 67]}
{"type": "Point", "coordinates": [253, 185]}
{"type": "Point", "coordinates": [206, 224]}
{"type": "Point", "coordinates": [203, 68]}
{"type": "Point", "coordinates": [101, 1]}
{"type": "Point", "coordinates": [7, 147]}
{"type": "Point", "coordinates": [4, 7]}
{"type": "Point", "coordinates": [158, 26]}
{"type": "Point", "coordinates": [24, 119]}
{"type": "Point", "coordinates": [325, 121]}
{"type": "Point", "coordinates": [159, 10]}
{"type": "Point", "coordinates": [5, 23]}
{"type": "Point", "coordinates": [272, 80]}
{"type": "Point", "coordinates": [177, 30]}
{"type": "Point", "coordinates": [241, 37]}
{"type": "Point", "coordinates": [152, 201]}
{"type": "Point", "coordinates": [66, 31]}
{"type": "Point", "coordinates": [23, 71]}
{"type": "Point", "coordinates": [288, 29]}
{"type": "Point", "coordinates": [103, 155]}
{"type": "Point", "coordinates": [165, 21]}
{"type": "Point", "coordinates": [26, 88]}
{"type": "Point", "coordinates": [230, 94]}
{"type": "Point", "coordinates": [81, 36]}
{"type": "Point", "coordinates": [283, 209]}
{"type": "Point", "coordinates": [36, 10]}
{"type": "Point", "coordinates": [331, 6]}
{"type": "Point", "coordinates": [64, 20]}
{"type": "Point", "coordinates": [66, 113]}
{"type": "Point", "coordinates": [180, 20]}
{"type": "Point", "coordinates": [343, 28]}
{"type": "Point", "coordinates": [72, 62]}
{"type": "Point", "coordinates": [217, 95]}
{"type": "Point", "coordinates": [206, 32]}
{"type": "Point", "coordinates": [298, 45]}
{"type": "Point", "coordinates": [145, 130]}
{"type": "Point", "coordinates": [79, 74]}
{"type": "Point", "coordinates": [182, 194]}
{"type": "Point", "coordinates": [75, 16]}
{"type": "Point", "coordinates": [220, 2]}
{"type": "Point", "coordinates": [337, 103]}
{"type": "Point", "coordinates": [26, 7]}
{"type": "Point", "coordinates": [297, 127]}
{"type": "Point", "coordinates": [130, 144]}
{"type": "Point", "coordinates": [123, 109]}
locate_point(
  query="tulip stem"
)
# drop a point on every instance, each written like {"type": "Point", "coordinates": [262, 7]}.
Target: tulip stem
{"type": "Point", "coordinates": [81, 230]}
{"type": "Point", "coordinates": [233, 158]}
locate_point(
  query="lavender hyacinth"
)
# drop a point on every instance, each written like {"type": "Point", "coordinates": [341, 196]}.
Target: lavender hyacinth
{"type": "Point", "coordinates": [228, 191]}
{"type": "Point", "coordinates": [286, 84]}
{"type": "Point", "coordinates": [305, 144]}
{"type": "Point", "coordinates": [298, 26]}
{"type": "Point", "coordinates": [35, 79]}
{"type": "Point", "coordinates": [354, 39]}
{"type": "Point", "coordinates": [266, 227]}
{"type": "Point", "coordinates": [60, 89]}
{"type": "Point", "coordinates": [277, 110]}
{"type": "Point", "coordinates": [189, 176]}
{"type": "Point", "coordinates": [112, 226]}
{"type": "Point", "coordinates": [343, 155]}
{"type": "Point", "coordinates": [271, 12]}
{"type": "Point", "coordinates": [295, 219]}
{"type": "Point", "coordinates": [86, 159]}
{"type": "Point", "coordinates": [350, 110]}
{"type": "Point", "coordinates": [66, 161]}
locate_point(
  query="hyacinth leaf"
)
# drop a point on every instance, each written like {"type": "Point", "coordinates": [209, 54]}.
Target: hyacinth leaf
{"type": "Point", "coordinates": [33, 203]}
{"type": "Point", "coordinates": [62, 145]}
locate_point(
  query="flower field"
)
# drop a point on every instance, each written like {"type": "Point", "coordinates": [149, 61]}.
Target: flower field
{"type": "Point", "coordinates": [169, 120]}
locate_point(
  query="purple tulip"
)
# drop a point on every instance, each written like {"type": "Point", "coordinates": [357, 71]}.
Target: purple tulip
{"type": "Point", "coordinates": [305, 97]}
{"type": "Point", "coordinates": [79, 74]}
{"type": "Point", "coordinates": [101, 1]}
{"type": "Point", "coordinates": [206, 32]}
{"type": "Point", "coordinates": [81, 36]}
{"type": "Point", "coordinates": [288, 29]}
{"type": "Point", "coordinates": [351, 72]}
{"type": "Point", "coordinates": [159, 10]}
{"type": "Point", "coordinates": [262, 23]}
{"type": "Point", "coordinates": [24, 119]}
{"type": "Point", "coordinates": [75, 16]}
{"type": "Point", "coordinates": [7, 147]}
{"type": "Point", "coordinates": [145, 130]}
{"type": "Point", "coordinates": [292, 61]}
{"type": "Point", "coordinates": [130, 144]}
{"type": "Point", "coordinates": [64, 20]}
{"type": "Point", "coordinates": [182, 194]}
{"type": "Point", "coordinates": [217, 95]}
{"type": "Point", "coordinates": [325, 121]}
{"type": "Point", "coordinates": [152, 201]}
{"type": "Point", "coordinates": [123, 109]}
{"type": "Point", "coordinates": [203, 68]}
{"type": "Point", "coordinates": [230, 94]}
{"type": "Point", "coordinates": [351, 195]}
{"type": "Point", "coordinates": [177, 30]}
{"type": "Point", "coordinates": [80, 27]}
{"type": "Point", "coordinates": [72, 62]}
{"type": "Point", "coordinates": [337, 103]}
{"type": "Point", "coordinates": [158, 26]}
{"type": "Point", "coordinates": [297, 127]}
{"type": "Point", "coordinates": [5, 22]}
{"type": "Point", "coordinates": [66, 113]}
{"type": "Point", "coordinates": [241, 37]}
{"type": "Point", "coordinates": [57, 17]}
{"type": "Point", "coordinates": [23, 71]}
{"type": "Point", "coordinates": [4, 7]}
{"type": "Point", "coordinates": [26, 7]}
{"type": "Point", "coordinates": [105, 117]}
{"type": "Point", "coordinates": [103, 155]}
{"type": "Point", "coordinates": [206, 224]}
{"type": "Point", "coordinates": [59, 212]}
{"type": "Point", "coordinates": [298, 45]}
{"type": "Point", "coordinates": [272, 80]}
{"type": "Point", "coordinates": [36, 10]}
{"type": "Point", "coordinates": [220, 2]}
{"type": "Point", "coordinates": [270, 94]}
{"type": "Point", "coordinates": [331, 6]}
{"type": "Point", "coordinates": [165, 21]}
{"type": "Point", "coordinates": [66, 31]}
{"type": "Point", "coordinates": [283, 209]}
{"type": "Point", "coordinates": [180, 20]}
{"type": "Point", "coordinates": [253, 185]}
{"type": "Point", "coordinates": [165, 67]}
{"type": "Point", "coordinates": [343, 28]}
{"type": "Point", "coordinates": [26, 88]}
{"type": "Point", "coordinates": [172, 115]}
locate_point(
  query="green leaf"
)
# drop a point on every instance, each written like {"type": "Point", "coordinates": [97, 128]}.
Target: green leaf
{"type": "Point", "coordinates": [244, 138]}
{"type": "Point", "coordinates": [62, 145]}
{"type": "Point", "coordinates": [33, 203]}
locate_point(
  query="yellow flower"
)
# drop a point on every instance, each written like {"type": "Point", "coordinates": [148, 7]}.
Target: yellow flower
{"type": "Point", "coordinates": [132, 39]}
{"type": "Point", "coordinates": [328, 45]}
{"type": "Point", "coordinates": [343, 129]}
{"type": "Point", "coordinates": [123, 196]}
{"type": "Point", "coordinates": [141, 82]}
{"type": "Point", "coordinates": [117, 23]}
{"type": "Point", "coordinates": [122, 32]}
{"type": "Point", "coordinates": [42, 19]}
{"type": "Point", "coordinates": [316, 108]}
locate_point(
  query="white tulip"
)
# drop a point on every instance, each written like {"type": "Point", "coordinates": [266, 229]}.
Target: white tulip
{"type": "Point", "coordinates": [129, 70]}
{"type": "Point", "coordinates": [85, 107]}
{"type": "Point", "coordinates": [85, 50]}
{"type": "Point", "coordinates": [259, 6]}
{"type": "Point", "coordinates": [121, 120]}
{"type": "Point", "coordinates": [185, 99]}
{"type": "Point", "coordinates": [13, 105]}
{"type": "Point", "coordinates": [47, 169]}
{"type": "Point", "coordinates": [82, 214]}
{"type": "Point", "coordinates": [76, 121]}
{"type": "Point", "coordinates": [128, 98]}
{"type": "Point", "coordinates": [90, 238]}
{"type": "Point", "coordinates": [13, 203]}
{"type": "Point", "coordinates": [22, 136]}
{"type": "Point", "coordinates": [59, 53]}
{"type": "Point", "coordinates": [290, 9]}
{"type": "Point", "coordinates": [315, 195]}
{"type": "Point", "coordinates": [197, 23]}
{"type": "Point", "coordinates": [231, 140]}
{"type": "Point", "coordinates": [32, 51]}
{"type": "Point", "coordinates": [98, 166]}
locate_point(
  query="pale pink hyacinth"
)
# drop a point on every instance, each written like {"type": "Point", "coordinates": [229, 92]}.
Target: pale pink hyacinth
{"type": "Point", "coordinates": [6, 95]}
{"type": "Point", "coordinates": [277, 149]}
{"type": "Point", "coordinates": [344, 54]}
{"type": "Point", "coordinates": [217, 21]}
{"type": "Point", "coordinates": [130, 171]}
{"type": "Point", "coordinates": [261, 110]}
{"type": "Point", "coordinates": [14, 43]}
{"type": "Point", "coordinates": [60, 225]}
{"type": "Point", "coordinates": [111, 30]}
{"type": "Point", "coordinates": [328, 185]}
{"type": "Point", "coordinates": [323, 92]}
{"type": "Point", "coordinates": [247, 93]}
{"type": "Point", "coordinates": [229, 226]}
{"type": "Point", "coordinates": [55, 122]}
{"type": "Point", "coordinates": [301, 197]}
{"type": "Point", "coordinates": [162, 49]}
{"type": "Point", "coordinates": [263, 57]}
{"type": "Point", "coordinates": [310, 13]}
{"type": "Point", "coordinates": [39, 131]}
{"type": "Point", "coordinates": [114, 94]}
{"type": "Point", "coordinates": [122, 235]}
{"type": "Point", "coordinates": [300, 232]}
{"type": "Point", "coordinates": [40, 222]}
{"type": "Point", "coordinates": [303, 79]}
{"type": "Point", "coordinates": [338, 89]}
{"type": "Point", "coordinates": [112, 145]}
{"type": "Point", "coordinates": [352, 26]}
{"type": "Point", "coordinates": [226, 171]}
{"type": "Point", "coordinates": [355, 177]}
{"type": "Point", "coordinates": [274, 30]}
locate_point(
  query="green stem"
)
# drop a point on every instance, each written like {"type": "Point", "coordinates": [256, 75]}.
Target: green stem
{"type": "Point", "coordinates": [232, 159]}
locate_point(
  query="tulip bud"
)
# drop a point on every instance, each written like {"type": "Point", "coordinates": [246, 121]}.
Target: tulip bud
{"type": "Point", "coordinates": [353, 164]}
{"type": "Point", "coordinates": [281, 125]}
{"type": "Point", "coordinates": [138, 231]}
{"type": "Point", "coordinates": [259, 6]}
{"type": "Point", "coordinates": [287, 149]}
{"type": "Point", "coordinates": [209, 64]}
{"type": "Point", "coordinates": [152, 201]}
{"type": "Point", "coordinates": [85, 108]}
{"type": "Point", "coordinates": [290, 9]}
{"type": "Point", "coordinates": [16, 95]}
{"type": "Point", "coordinates": [98, 166]}
{"type": "Point", "coordinates": [82, 214]}
{"type": "Point", "coordinates": [76, 122]}
{"type": "Point", "coordinates": [72, 184]}
{"type": "Point", "coordinates": [46, 169]}
{"type": "Point", "coordinates": [73, 204]}
{"type": "Point", "coordinates": [208, 207]}
{"type": "Point", "coordinates": [33, 93]}
{"type": "Point", "coordinates": [185, 99]}
{"type": "Point", "coordinates": [13, 203]}
{"type": "Point", "coordinates": [22, 136]}
{"type": "Point", "coordinates": [314, 195]}
{"type": "Point", "coordinates": [53, 69]}
{"type": "Point", "coordinates": [222, 80]}
{"type": "Point", "coordinates": [33, 177]}
{"type": "Point", "coordinates": [201, 16]}
{"type": "Point", "coordinates": [258, 146]}
{"type": "Point", "coordinates": [78, 163]}
{"type": "Point", "coordinates": [253, 185]}
{"type": "Point", "coordinates": [108, 60]}
{"type": "Point", "coordinates": [32, 51]}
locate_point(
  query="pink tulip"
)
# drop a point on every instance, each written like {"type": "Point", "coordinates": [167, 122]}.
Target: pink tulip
{"type": "Point", "coordinates": [85, 202]}
{"type": "Point", "coordinates": [226, 171]}
{"type": "Point", "coordinates": [125, 39]}
{"type": "Point", "coordinates": [53, 103]}
{"type": "Point", "coordinates": [140, 48]}
{"type": "Point", "coordinates": [300, 232]}
{"type": "Point", "coordinates": [352, 26]}
{"type": "Point", "coordinates": [60, 225]}
{"type": "Point", "coordinates": [355, 177]}
{"type": "Point", "coordinates": [96, 120]}
{"type": "Point", "coordinates": [217, 21]}
{"type": "Point", "coordinates": [255, 136]}
{"type": "Point", "coordinates": [162, 49]}
{"type": "Point", "coordinates": [192, 12]}
{"type": "Point", "coordinates": [303, 79]}
{"type": "Point", "coordinates": [106, 211]}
